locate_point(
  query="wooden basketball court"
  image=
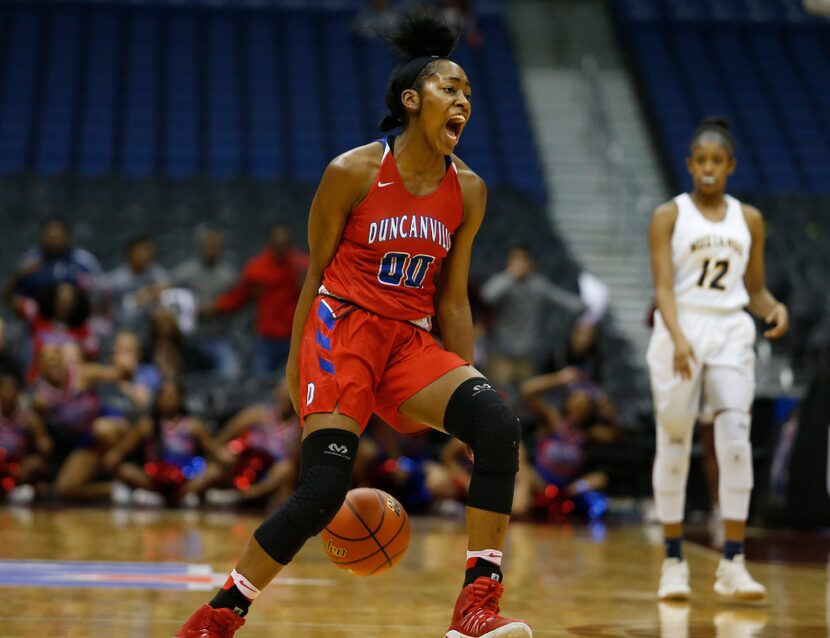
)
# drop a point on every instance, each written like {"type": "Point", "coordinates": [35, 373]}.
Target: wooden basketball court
{"type": "Point", "coordinates": [566, 581]}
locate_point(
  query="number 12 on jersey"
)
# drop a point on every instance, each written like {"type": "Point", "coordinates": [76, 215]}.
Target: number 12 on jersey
{"type": "Point", "coordinates": [718, 271]}
{"type": "Point", "coordinates": [411, 269]}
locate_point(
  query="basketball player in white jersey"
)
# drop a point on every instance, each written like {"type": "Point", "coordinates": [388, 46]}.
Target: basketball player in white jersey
{"type": "Point", "coordinates": [707, 252]}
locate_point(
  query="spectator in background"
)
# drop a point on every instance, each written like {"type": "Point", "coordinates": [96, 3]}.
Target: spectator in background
{"type": "Point", "coordinates": [127, 399]}
{"type": "Point", "coordinates": [273, 279]}
{"type": "Point", "coordinates": [167, 457]}
{"type": "Point", "coordinates": [54, 261]}
{"type": "Point", "coordinates": [65, 396]}
{"type": "Point", "coordinates": [169, 350]}
{"type": "Point", "coordinates": [8, 358]}
{"type": "Point", "coordinates": [59, 316]}
{"type": "Point", "coordinates": [561, 468]}
{"type": "Point", "coordinates": [265, 441]}
{"type": "Point", "coordinates": [208, 275]}
{"type": "Point", "coordinates": [520, 299]}
{"type": "Point", "coordinates": [24, 444]}
{"type": "Point", "coordinates": [582, 350]}
{"type": "Point", "coordinates": [405, 466]}
{"type": "Point", "coordinates": [136, 285]}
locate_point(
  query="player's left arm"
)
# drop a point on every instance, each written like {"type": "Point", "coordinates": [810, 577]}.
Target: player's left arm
{"type": "Point", "coordinates": [454, 314]}
{"type": "Point", "coordinates": [762, 303]}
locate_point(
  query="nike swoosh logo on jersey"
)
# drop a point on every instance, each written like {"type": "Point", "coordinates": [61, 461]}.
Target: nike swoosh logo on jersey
{"type": "Point", "coordinates": [384, 184]}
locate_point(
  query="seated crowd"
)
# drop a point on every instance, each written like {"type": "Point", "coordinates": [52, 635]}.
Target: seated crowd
{"type": "Point", "coordinates": [96, 403]}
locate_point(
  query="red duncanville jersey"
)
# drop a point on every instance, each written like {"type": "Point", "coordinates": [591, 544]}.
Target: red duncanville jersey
{"type": "Point", "coordinates": [393, 245]}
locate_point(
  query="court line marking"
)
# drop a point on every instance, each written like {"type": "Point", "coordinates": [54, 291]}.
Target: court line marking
{"type": "Point", "coordinates": [124, 575]}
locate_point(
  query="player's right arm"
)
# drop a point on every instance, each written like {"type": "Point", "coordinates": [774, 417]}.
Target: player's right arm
{"type": "Point", "coordinates": [346, 180]}
{"type": "Point", "coordinates": [659, 238]}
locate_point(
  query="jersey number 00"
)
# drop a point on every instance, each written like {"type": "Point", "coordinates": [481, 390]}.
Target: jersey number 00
{"type": "Point", "coordinates": [403, 267]}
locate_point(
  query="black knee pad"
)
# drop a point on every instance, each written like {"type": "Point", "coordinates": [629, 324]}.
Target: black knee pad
{"type": "Point", "coordinates": [477, 416]}
{"type": "Point", "coordinates": [326, 461]}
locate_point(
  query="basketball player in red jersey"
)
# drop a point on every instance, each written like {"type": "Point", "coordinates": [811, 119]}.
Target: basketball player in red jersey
{"type": "Point", "coordinates": [391, 223]}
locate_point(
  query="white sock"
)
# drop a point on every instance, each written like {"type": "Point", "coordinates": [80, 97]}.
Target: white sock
{"type": "Point", "coordinates": [244, 585]}
{"type": "Point", "coordinates": [490, 555]}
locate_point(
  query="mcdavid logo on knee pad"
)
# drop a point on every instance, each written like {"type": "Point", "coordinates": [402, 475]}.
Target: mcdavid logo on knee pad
{"type": "Point", "coordinates": [338, 450]}
{"type": "Point", "coordinates": [482, 387]}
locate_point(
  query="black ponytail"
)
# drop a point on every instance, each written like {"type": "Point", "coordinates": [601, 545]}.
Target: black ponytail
{"type": "Point", "coordinates": [422, 36]}
{"type": "Point", "coordinates": [714, 128]}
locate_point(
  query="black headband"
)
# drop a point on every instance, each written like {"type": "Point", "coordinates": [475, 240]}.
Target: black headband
{"type": "Point", "coordinates": [404, 79]}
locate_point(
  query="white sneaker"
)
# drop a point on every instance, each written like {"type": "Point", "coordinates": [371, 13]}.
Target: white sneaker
{"type": "Point", "coordinates": [21, 495]}
{"type": "Point", "coordinates": [735, 583]}
{"type": "Point", "coordinates": [674, 580]}
{"type": "Point", "coordinates": [222, 498]}
{"type": "Point", "coordinates": [121, 493]}
{"type": "Point", "coordinates": [146, 498]}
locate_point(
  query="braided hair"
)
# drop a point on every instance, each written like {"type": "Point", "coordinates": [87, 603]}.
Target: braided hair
{"type": "Point", "coordinates": [423, 37]}
{"type": "Point", "coordinates": [714, 129]}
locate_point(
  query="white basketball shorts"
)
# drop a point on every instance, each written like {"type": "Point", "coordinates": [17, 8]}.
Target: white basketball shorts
{"type": "Point", "coordinates": [723, 376]}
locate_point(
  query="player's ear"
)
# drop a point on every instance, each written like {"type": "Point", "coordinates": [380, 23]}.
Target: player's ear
{"type": "Point", "coordinates": [732, 165]}
{"type": "Point", "coordinates": [411, 100]}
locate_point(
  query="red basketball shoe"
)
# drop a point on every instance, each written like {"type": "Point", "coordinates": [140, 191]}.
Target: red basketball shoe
{"type": "Point", "coordinates": [476, 614]}
{"type": "Point", "coordinates": [208, 622]}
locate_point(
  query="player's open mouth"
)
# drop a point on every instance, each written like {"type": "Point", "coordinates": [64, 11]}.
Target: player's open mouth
{"type": "Point", "coordinates": [454, 126]}
{"type": "Point", "coordinates": [708, 180]}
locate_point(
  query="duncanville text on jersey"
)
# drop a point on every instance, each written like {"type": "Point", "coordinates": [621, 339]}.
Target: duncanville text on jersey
{"type": "Point", "coordinates": [410, 227]}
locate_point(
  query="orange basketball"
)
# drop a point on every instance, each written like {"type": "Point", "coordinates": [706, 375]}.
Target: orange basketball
{"type": "Point", "coordinates": [369, 535]}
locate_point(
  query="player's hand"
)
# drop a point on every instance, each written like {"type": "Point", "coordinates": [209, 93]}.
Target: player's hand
{"type": "Point", "coordinates": [684, 357]}
{"type": "Point", "coordinates": [778, 322]}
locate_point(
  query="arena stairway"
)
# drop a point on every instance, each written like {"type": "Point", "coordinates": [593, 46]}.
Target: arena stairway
{"type": "Point", "coordinates": [603, 174]}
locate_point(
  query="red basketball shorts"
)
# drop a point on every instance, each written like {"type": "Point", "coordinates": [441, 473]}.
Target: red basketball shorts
{"type": "Point", "coordinates": [362, 363]}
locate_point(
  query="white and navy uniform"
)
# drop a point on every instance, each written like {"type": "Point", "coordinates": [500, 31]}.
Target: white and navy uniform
{"type": "Point", "coordinates": [709, 260]}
